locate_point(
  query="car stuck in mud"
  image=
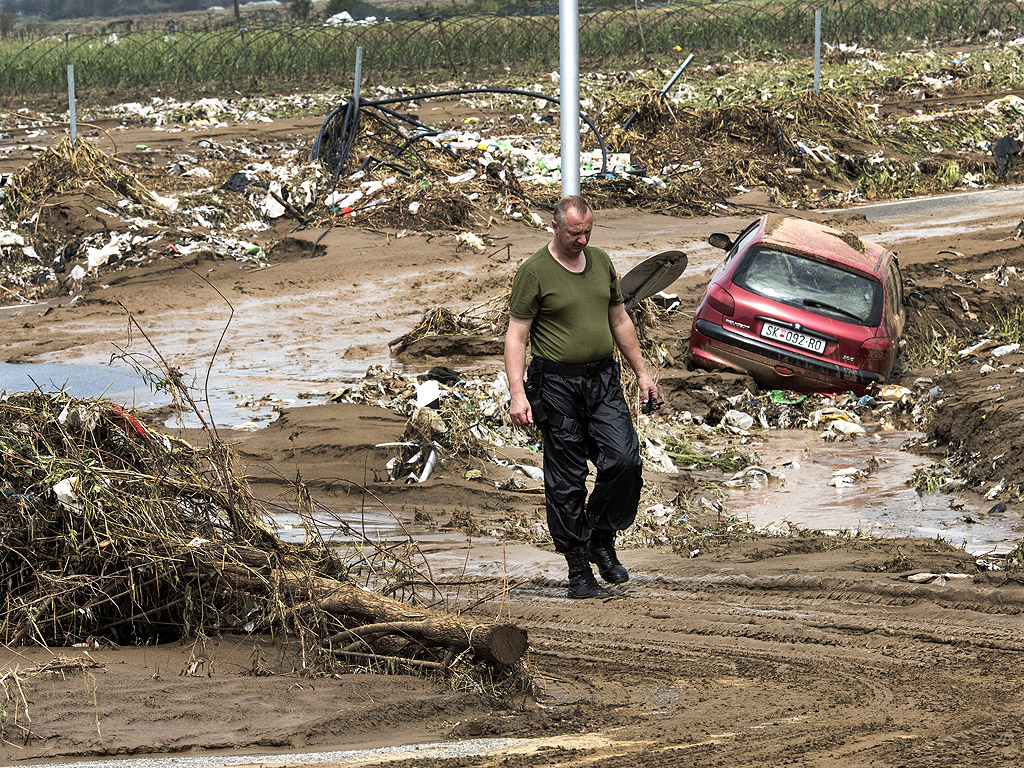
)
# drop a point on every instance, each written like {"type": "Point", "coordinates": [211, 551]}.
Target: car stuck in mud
{"type": "Point", "coordinates": [798, 305]}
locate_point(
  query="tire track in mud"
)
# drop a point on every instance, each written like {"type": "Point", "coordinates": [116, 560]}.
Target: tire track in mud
{"type": "Point", "coordinates": [737, 669]}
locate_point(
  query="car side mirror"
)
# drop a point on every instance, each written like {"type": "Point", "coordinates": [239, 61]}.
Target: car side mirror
{"type": "Point", "coordinates": [915, 299]}
{"type": "Point", "coordinates": [720, 240]}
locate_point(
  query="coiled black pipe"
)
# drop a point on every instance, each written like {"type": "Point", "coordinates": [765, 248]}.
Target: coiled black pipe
{"type": "Point", "coordinates": [338, 146]}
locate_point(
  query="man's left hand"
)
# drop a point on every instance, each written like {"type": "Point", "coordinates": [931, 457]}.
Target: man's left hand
{"type": "Point", "coordinates": [648, 389]}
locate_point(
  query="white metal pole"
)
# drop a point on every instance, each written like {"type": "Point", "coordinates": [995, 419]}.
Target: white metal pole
{"type": "Point", "coordinates": [72, 118]}
{"type": "Point", "coordinates": [817, 51]}
{"type": "Point", "coordinates": [569, 93]}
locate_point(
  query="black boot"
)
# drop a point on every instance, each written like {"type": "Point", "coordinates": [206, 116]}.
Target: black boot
{"type": "Point", "coordinates": [582, 584]}
{"type": "Point", "coordinates": [601, 549]}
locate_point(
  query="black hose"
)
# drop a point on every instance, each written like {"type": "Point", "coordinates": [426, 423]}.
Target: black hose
{"type": "Point", "coordinates": [340, 146]}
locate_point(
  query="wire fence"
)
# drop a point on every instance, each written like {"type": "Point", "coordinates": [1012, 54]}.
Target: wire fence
{"type": "Point", "coordinates": [469, 46]}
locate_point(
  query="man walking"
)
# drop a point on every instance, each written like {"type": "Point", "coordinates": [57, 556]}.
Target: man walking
{"type": "Point", "coordinates": [567, 303]}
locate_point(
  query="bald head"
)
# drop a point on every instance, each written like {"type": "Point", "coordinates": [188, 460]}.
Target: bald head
{"type": "Point", "coordinates": [574, 204]}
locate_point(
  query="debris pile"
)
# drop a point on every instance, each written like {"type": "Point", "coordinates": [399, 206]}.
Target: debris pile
{"type": "Point", "coordinates": [70, 166]}
{"type": "Point", "coordinates": [417, 178]}
{"type": "Point", "coordinates": [76, 211]}
{"type": "Point", "coordinates": [449, 416]}
{"type": "Point", "coordinates": [106, 524]}
{"type": "Point", "coordinates": [114, 533]}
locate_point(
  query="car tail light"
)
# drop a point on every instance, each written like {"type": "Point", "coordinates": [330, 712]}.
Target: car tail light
{"type": "Point", "coordinates": [876, 348]}
{"type": "Point", "coordinates": [722, 300]}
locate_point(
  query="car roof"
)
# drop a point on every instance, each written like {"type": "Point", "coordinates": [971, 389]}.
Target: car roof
{"type": "Point", "coordinates": [844, 248]}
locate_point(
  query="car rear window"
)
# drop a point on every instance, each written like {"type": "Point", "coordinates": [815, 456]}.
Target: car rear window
{"type": "Point", "coordinates": [816, 286]}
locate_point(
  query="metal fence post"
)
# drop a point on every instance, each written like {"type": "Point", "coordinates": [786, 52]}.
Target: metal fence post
{"type": "Point", "coordinates": [72, 118]}
{"type": "Point", "coordinates": [358, 78]}
{"type": "Point", "coordinates": [817, 51]}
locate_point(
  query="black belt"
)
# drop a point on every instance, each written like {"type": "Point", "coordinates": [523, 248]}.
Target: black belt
{"type": "Point", "coordinates": [567, 369]}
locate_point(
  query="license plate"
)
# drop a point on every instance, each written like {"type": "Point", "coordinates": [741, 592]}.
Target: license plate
{"type": "Point", "coordinates": [795, 338]}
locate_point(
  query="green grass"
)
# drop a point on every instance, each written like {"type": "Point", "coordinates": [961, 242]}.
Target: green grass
{"type": "Point", "coordinates": [1009, 327]}
{"type": "Point", "coordinates": [686, 454]}
{"type": "Point", "coordinates": [930, 480]}
{"type": "Point", "coordinates": [938, 350]}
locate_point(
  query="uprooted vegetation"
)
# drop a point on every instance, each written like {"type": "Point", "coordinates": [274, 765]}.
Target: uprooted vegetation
{"type": "Point", "coordinates": [114, 533]}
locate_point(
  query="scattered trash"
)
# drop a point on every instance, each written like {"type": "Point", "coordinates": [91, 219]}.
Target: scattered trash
{"type": "Point", "coordinates": [937, 579]}
{"type": "Point", "coordinates": [472, 241]}
{"type": "Point", "coordinates": [738, 420]}
{"type": "Point", "coordinates": [1005, 349]}
{"type": "Point", "coordinates": [996, 489]}
{"type": "Point", "coordinates": [534, 473]}
{"type": "Point", "coordinates": [848, 476]}
{"type": "Point", "coordinates": [428, 394]}
{"type": "Point", "coordinates": [894, 393]}
{"type": "Point", "coordinates": [754, 477]}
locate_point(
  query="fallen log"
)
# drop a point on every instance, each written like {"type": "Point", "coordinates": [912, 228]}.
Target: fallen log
{"type": "Point", "coordinates": [501, 643]}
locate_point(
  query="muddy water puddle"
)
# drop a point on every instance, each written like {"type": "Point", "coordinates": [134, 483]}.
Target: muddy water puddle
{"type": "Point", "coordinates": [425, 752]}
{"type": "Point", "coordinates": [880, 504]}
{"type": "Point", "coordinates": [121, 386]}
{"type": "Point", "coordinates": [801, 493]}
{"type": "Point", "coordinates": [128, 388]}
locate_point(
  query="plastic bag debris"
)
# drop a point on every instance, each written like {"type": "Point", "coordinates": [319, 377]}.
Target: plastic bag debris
{"type": "Point", "coordinates": [978, 346]}
{"type": "Point", "coordinates": [996, 489]}
{"type": "Point", "coordinates": [8, 238]}
{"type": "Point", "coordinates": [1006, 349]}
{"type": "Point", "coordinates": [655, 454]}
{"type": "Point", "coordinates": [65, 491]}
{"type": "Point", "coordinates": [842, 427]}
{"type": "Point", "coordinates": [738, 419]}
{"type": "Point", "coordinates": [343, 199]}
{"type": "Point", "coordinates": [830, 414]}
{"type": "Point", "coordinates": [97, 257]}
{"type": "Point", "coordinates": [844, 478]}
{"type": "Point", "coordinates": [444, 375]}
{"type": "Point", "coordinates": [428, 394]}
{"type": "Point", "coordinates": [753, 477]}
{"type": "Point", "coordinates": [471, 240]}
{"type": "Point", "coordinates": [894, 393]}
{"type": "Point", "coordinates": [534, 473]}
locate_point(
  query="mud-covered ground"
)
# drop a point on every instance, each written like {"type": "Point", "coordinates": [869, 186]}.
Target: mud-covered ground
{"type": "Point", "coordinates": [760, 650]}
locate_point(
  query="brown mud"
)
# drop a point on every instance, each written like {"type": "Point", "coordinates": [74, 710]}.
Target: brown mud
{"type": "Point", "coordinates": [806, 650]}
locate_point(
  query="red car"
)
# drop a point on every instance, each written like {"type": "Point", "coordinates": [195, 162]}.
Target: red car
{"type": "Point", "coordinates": [801, 306]}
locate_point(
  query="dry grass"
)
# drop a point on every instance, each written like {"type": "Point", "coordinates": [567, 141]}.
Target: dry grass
{"type": "Point", "coordinates": [71, 166]}
{"type": "Point", "coordinates": [112, 530]}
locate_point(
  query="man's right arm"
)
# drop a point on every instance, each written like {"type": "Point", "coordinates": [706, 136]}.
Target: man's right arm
{"type": "Point", "coordinates": [515, 364]}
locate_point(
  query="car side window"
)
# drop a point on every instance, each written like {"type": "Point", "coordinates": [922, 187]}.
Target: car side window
{"type": "Point", "coordinates": [895, 280]}
{"type": "Point", "coordinates": [744, 240]}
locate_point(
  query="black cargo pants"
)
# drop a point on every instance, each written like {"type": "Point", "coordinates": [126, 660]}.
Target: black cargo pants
{"type": "Point", "coordinates": [587, 419]}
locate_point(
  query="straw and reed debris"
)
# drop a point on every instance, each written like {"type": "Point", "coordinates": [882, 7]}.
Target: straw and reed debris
{"type": "Point", "coordinates": [115, 533]}
{"type": "Point", "coordinates": [70, 166]}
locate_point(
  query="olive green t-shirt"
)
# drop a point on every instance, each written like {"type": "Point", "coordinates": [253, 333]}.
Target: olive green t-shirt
{"type": "Point", "coordinates": [569, 310]}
